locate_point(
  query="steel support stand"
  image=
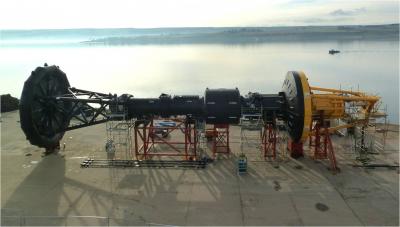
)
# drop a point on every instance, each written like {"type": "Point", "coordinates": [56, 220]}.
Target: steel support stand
{"type": "Point", "coordinates": [146, 139]}
{"type": "Point", "coordinates": [268, 140]}
{"type": "Point", "coordinates": [320, 149]}
{"type": "Point", "coordinates": [320, 139]}
{"type": "Point", "coordinates": [220, 139]}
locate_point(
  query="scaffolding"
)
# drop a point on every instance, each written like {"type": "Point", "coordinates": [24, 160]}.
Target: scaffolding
{"type": "Point", "coordinates": [370, 139]}
{"type": "Point", "coordinates": [282, 140]}
{"type": "Point", "coordinates": [202, 139]}
{"type": "Point", "coordinates": [267, 137]}
{"type": "Point", "coordinates": [251, 121]}
{"type": "Point", "coordinates": [119, 134]}
{"type": "Point", "coordinates": [250, 127]}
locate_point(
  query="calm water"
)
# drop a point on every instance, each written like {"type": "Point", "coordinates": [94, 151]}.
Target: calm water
{"type": "Point", "coordinates": [149, 70]}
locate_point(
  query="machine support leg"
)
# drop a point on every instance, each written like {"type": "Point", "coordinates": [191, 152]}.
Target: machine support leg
{"type": "Point", "coordinates": [194, 140]}
{"type": "Point", "coordinates": [221, 139]}
{"type": "Point", "coordinates": [214, 150]}
{"type": "Point", "coordinates": [136, 141]}
{"type": "Point", "coordinates": [268, 140]}
{"type": "Point", "coordinates": [320, 139]}
{"type": "Point", "coordinates": [296, 149]}
{"type": "Point", "coordinates": [147, 135]}
{"type": "Point", "coordinates": [331, 152]}
{"type": "Point", "coordinates": [319, 148]}
{"type": "Point", "coordinates": [145, 141]}
{"type": "Point", "coordinates": [187, 139]}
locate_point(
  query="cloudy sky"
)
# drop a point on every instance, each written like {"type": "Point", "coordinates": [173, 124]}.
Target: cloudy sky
{"type": "Point", "coordinates": [34, 14]}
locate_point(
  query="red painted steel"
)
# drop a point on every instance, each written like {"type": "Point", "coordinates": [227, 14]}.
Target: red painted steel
{"type": "Point", "coordinates": [146, 139]}
{"type": "Point", "coordinates": [320, 140]}
{"type": "Point", "coordinates": [268, 140]}
{"type": "Point", "coordinates": [220, 139]}
{"type": "Point", "coordinates": [320, 147]}
{"type": "Point", "coordinates": [295, 149]}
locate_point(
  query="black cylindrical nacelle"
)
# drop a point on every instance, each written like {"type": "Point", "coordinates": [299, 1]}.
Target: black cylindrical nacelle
{"type": "Point", "coordinates": [219, 106]}
{"type": "Point", "coordinates": [165, 106]}
{"type": "Point", "coordinates": [222, 106]}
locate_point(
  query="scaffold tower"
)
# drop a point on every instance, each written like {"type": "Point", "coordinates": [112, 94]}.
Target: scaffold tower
{"type": "Point", "coordinates": [119, 135]}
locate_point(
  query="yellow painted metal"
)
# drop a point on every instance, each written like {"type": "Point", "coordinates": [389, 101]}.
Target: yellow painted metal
{"type": "Point", "coordinates": [347, 98]}
{"type": "Point", "coordinates": [334, 129]}
{"type": "Point", "coordinates": [331, 103]}
{"type": "Point", "coordinates": [307, 106]}
{"type": "Point", "coordinates": [330, 108]}
{"type": "Point", "coordinates": [335, 91]}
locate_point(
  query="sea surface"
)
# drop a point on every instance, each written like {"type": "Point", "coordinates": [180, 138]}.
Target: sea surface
{"type": "Point", "coordinates": [149, 70]}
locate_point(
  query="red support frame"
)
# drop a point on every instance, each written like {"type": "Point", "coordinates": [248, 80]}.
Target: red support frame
{"type": "Point", "coordinates": [320, 147]}
{"type": "Point", "coordinates": [268, 140]}
{"type": "Point", "coordinates": [221, 139]}
{"type": "Point", "coordinates": [146, 138]}
{"type": "Point", "coordinates": [331, 153]}
{"type": "Point", "coordinates": [320, 139]}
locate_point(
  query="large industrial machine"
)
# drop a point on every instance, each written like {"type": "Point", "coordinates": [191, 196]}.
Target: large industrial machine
{"type": "Point", "coordinates": [312, 109]}
{"type": "Point", "coordinates": [50, 106]}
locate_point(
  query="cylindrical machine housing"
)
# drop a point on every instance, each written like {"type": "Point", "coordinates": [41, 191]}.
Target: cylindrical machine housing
{"type": "Point", "coordinates": [165, 106]}
{"type": "Point", "coordinates": [222, 106]}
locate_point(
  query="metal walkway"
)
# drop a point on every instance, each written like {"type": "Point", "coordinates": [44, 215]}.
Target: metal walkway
{"type": "Point", "coordinates": [104, 163]}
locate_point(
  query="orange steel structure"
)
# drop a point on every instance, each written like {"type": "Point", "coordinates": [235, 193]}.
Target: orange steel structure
{"type": "Point", "coordinates": [146, 138]}
{"type": "Point", "coordinates": [220, 142]}
{"type": "Point", "coordinates": [268, 140]}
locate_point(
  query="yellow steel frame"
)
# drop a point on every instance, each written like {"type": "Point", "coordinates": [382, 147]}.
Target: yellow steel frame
{"type": "Point", "coordinates": [307, 106]}
{"type": "Point", "coordinates": [331, 104]}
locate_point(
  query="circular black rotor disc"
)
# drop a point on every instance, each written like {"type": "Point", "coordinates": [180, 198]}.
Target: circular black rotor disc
{"type": "Point", "coordinates": [42, 117]}
{"type": "Point", "coordinates": [294, 95]}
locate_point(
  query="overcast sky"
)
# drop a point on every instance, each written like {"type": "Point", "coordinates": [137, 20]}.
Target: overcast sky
{"type": "Point", "coordinates": [33, 14]}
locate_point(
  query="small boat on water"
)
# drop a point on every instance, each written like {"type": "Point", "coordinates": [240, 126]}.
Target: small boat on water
{"type": "Point", "coordinates": [333, 51]}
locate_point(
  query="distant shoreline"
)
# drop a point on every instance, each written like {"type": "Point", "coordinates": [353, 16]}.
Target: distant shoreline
{"type": "Point", "coordinates": [208, 35]}
{"type": "Point", "coordinates": [260, 35]}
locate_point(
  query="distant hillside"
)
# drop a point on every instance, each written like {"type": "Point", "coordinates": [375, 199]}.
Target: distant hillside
{"type": "Point", "coordinates": [219, 35]}
{"type": "Point", "coordinates": [260, 35]}
{"type": "Point", "coordinates": [97, 32]}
